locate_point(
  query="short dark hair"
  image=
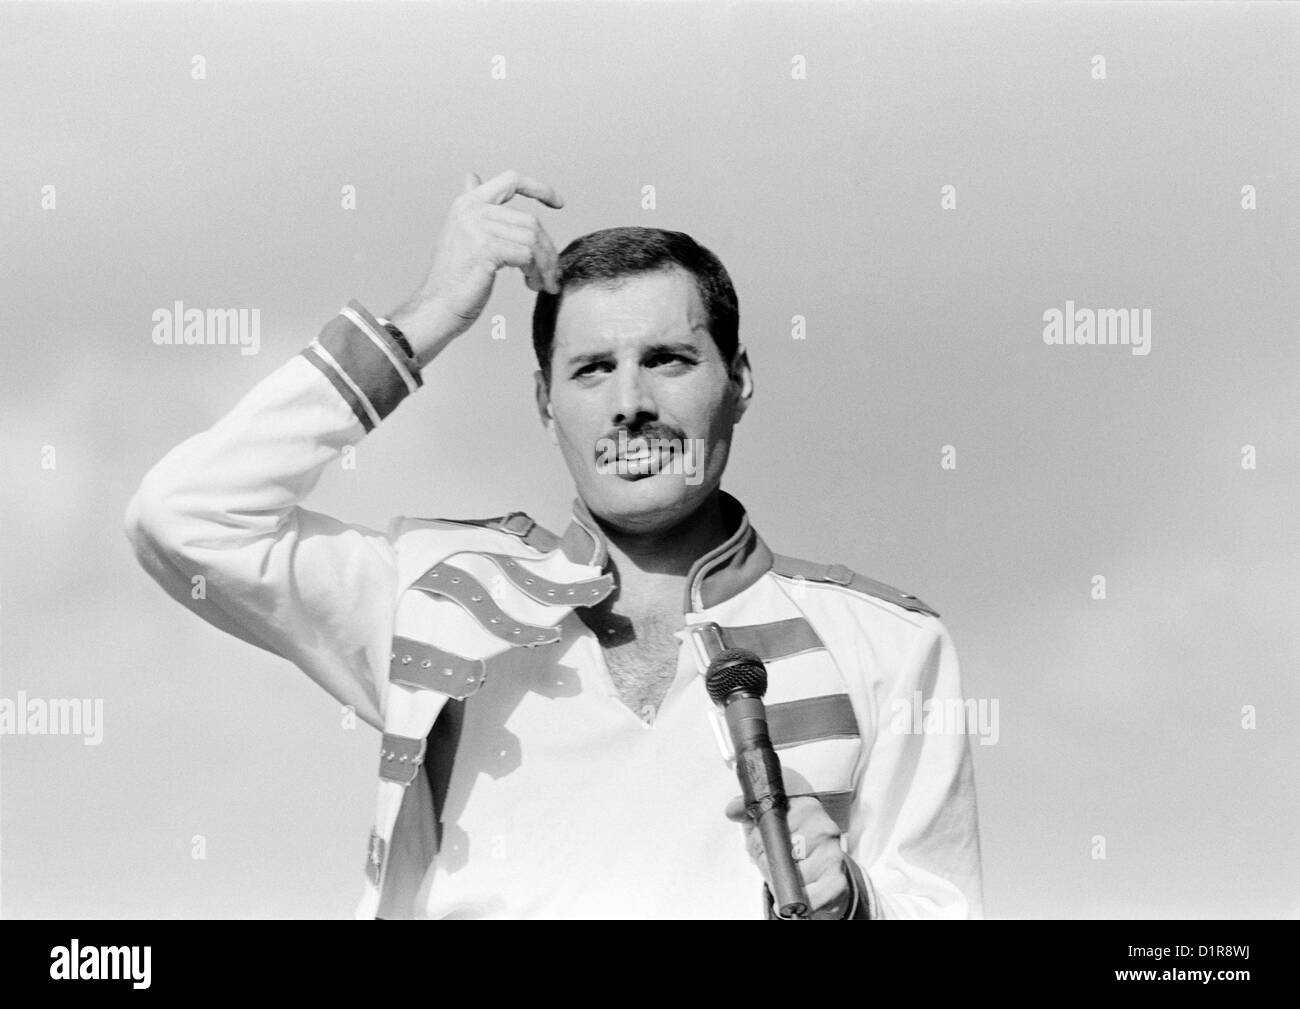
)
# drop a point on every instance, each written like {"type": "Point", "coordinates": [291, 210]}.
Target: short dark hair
{"type": "Point", "coordinates": [609, 256]}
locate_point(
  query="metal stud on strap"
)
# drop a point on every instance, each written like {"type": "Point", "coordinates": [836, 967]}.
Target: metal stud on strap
{"type": "Point", "coordinates": [426, 667]}
{"type": "Point", "coordinates": [400, 758]}
{"type": "Point", "coordinates": [461, 587]}
{"type": "Point", "coordinates": [584, 593]}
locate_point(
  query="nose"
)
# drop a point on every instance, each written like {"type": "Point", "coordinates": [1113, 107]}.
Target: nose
{"type": "Point", "coordinates": [633, 398]}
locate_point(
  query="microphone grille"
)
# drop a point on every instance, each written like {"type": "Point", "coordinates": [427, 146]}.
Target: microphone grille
{"type": "Point", "coordinates": [735, 669]}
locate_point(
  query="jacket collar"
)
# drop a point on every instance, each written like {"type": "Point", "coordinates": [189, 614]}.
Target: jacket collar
{"type": "Point", "coordinates": [725, 571]}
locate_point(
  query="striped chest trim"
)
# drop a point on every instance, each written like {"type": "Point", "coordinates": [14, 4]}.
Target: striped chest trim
{"type": "Point", "coordinates": [779, 639]}
{"type": "Point", "coordinates": [543, 590]}
{"type": "Point", "coordinates": [427, 667]}
{"type": "Point", "coordinates": [473, 596]}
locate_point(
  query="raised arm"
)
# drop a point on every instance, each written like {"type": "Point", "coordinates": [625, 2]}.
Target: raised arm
{"type": "Point", "coordinates": [219, 521]}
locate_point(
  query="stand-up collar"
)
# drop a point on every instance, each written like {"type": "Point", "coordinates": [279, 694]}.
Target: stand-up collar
{"type": "Point", "coordinates": [726, 570]}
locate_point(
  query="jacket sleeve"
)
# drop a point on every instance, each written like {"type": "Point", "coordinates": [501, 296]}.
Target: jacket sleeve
{"type": "Point", "coordinates": [914, 834]}
{"type": "Point", "coordinates": [219, 524]}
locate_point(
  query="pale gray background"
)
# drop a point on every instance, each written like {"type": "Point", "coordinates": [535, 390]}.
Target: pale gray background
{"type": "Point", "coordinates": [1118, 718]}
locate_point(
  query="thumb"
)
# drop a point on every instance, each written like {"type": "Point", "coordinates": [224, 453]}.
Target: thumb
{"type": "Point", "coordinates": [736, 810]}
{"type": "Point", "coordinates": [471, 181]}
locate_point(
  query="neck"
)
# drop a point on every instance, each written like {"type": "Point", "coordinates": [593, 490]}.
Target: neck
{"type": "Point", "coordinates": [646, 561]}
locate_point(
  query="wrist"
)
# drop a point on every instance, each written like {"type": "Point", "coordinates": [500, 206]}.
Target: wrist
{"type": "Point", "coordinates": [428, 327]}
{"type": "Point", "coordinates": [398, 337]}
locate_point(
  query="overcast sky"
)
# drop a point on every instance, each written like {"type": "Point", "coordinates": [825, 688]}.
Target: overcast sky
{"type": "Point", "coordinates": [1120, 718]}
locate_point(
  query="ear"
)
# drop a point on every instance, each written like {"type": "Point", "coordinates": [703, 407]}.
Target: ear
{"type": "Point", "coordinates": [544, 409]}
{"type": "Point", "coordinates": [742, 379]}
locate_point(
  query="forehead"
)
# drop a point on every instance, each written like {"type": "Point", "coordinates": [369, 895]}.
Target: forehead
{"type": "Point", "coordinates": [644, 307]}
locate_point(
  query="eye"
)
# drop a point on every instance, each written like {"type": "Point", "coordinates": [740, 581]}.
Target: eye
{"type": "Point", "coordinates": [591, 369]}
{"type": "Point", "coordinates": [670, 359]}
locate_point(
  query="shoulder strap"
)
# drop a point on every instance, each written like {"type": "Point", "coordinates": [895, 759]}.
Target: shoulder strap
{"type": "Point", "coordinates": [516, 524]}
{"type": "Point", "coordinates": [838, 574]}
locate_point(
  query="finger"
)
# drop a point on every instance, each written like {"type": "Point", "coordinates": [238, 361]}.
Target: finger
{"type": "Point", "coordinates": [736, 810]}
{"type": "Point", "coordinates": [504, 252]}
{"type": "Point", "coordinates": [544, 252]}
{"type": "Point", "coordinates": [825, 860]}
{"type": "Point", "coordinates": [810, 867]}
{"type": "Point", "coordinates": [512, 233]}
{"type": "Point", "coordinates": [550, 261]}
{"type": "Point", "coordinates": [804, 842]}
{"type": "Point", "coordinates": [801, 808]}
{"type": "Point", "coordinates": [754, 846]}
{"type": "Point", "coordinates": [535, 272]}
{"type": "Point", "coordinates": [510, 215]}
{"type": "Point", "coordinates": [532, 279]}
{"type": "Point", "coordinates": [824, 890]}
{"type": "Point", "coordinates": [507, 185]}
{"type": "Point", "coordinates": [807, 816]}
{"type": "Point", "coordinates": [471, 181]}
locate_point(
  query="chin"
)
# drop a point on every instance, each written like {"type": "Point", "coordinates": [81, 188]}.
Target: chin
{"type": "Point", "coordinates": [645, 505]}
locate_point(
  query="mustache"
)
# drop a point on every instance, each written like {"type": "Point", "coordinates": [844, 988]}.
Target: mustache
{"type": "Point", "coordinates": [655, 430]}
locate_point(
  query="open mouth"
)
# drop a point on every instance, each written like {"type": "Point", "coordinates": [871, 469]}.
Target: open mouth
{"type": "Point", "coordinates": [642, 458]}
{"type": "Point", "coordinates": [635, 458]}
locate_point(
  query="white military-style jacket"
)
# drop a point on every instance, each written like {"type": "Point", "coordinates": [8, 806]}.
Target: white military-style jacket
{"type": "Point", "coordinates": [512, 780]}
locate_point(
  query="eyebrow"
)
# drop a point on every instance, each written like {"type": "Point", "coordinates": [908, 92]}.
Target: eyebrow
{"type": "Point", "coordinates": [664, 347]}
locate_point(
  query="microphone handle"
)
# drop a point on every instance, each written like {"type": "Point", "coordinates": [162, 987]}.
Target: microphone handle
{"type": "Point", "coordinates": [759, 771]}
{"type": "Point", "coordinates": [788, 893]}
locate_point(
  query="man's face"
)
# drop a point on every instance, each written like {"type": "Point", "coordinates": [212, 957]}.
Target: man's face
{"type": "Point", "coordinates": [640, 401]}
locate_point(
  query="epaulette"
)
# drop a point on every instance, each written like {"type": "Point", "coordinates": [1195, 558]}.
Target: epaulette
{"type": "Point", "coordinates": [838, 574]}
{"type": "Point", "coordinates": [516, 524]}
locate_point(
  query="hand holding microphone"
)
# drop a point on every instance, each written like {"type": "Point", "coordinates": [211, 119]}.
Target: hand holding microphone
{"type": "Point", "coordinates": [736, 681]}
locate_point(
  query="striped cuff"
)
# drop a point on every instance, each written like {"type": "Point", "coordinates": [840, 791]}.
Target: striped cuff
{"type": "Point", "coordinates": [364, 363]}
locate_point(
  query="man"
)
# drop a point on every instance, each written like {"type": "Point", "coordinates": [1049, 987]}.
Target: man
{"type": "Point", "coordinates": [549, 749]}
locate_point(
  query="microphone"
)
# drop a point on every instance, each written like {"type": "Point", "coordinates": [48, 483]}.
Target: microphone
{"type": "Point", "coordinates": [736, 681]}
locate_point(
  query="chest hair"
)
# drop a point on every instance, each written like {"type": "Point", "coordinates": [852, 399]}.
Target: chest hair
{"type": "Point", "coordinates": [641, 654]}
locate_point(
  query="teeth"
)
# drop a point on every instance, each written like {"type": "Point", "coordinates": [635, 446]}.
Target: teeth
{"type": "Point", "coordinates": [640, 455]}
